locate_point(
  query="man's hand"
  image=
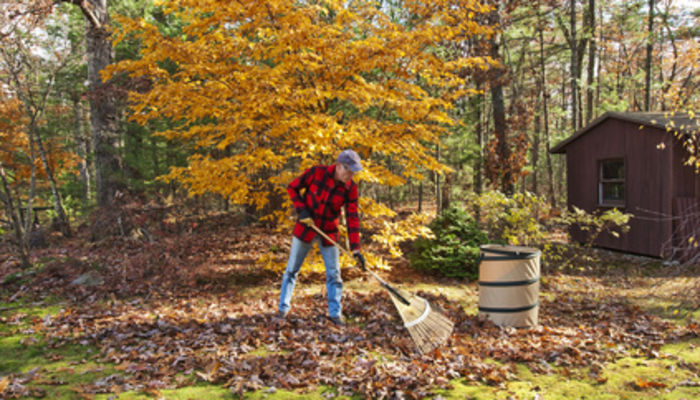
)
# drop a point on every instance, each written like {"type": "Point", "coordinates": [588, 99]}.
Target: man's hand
{"type": "Point", "coordinates": [360, 260]}
{"type": "Point", "coordinates": [305, 217]}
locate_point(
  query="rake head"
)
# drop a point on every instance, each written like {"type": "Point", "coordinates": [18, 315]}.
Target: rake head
{"type": "Point", "coordinates": [428, 328]}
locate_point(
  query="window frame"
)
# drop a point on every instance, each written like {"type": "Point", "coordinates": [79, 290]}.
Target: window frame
{"type": "Point", "coordinates": [614, 181]}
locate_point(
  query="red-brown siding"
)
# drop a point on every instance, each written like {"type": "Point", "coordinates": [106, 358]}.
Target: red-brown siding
{"type": "Point", "coordinates": [648, 183]}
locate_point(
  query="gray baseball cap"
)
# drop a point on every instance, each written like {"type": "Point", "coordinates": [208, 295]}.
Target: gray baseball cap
{"type": "Point", "coordinates": [351, 159]}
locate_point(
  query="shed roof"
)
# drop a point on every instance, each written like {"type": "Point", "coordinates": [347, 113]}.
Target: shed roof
{"type": "Point", "coordinates": [679, 122]}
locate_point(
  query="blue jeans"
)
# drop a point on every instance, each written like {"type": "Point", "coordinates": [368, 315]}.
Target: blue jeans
{"type": "Point", "coordinates": [334, 283]}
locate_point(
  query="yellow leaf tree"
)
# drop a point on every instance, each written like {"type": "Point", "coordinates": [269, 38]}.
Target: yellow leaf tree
{"type": "Point", "coordinates": [262, 90]}
{"type": "Point", "coordinates": [12, 139]}
{"type": "Point", "coordinates": [22, 173]}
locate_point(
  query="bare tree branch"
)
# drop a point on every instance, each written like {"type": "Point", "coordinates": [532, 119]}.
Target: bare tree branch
{"type": "Point", "coordinates": [85, 7]}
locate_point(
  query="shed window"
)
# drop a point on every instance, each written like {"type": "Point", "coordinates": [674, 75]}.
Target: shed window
{"type": "Point", "coordinates": [611, 182]}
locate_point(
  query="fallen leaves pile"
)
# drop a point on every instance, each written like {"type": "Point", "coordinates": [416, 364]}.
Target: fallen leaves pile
{"type": "Point", "coordinates": [170, 310]}
{"type": "Point", "coordinates": [156, 344]}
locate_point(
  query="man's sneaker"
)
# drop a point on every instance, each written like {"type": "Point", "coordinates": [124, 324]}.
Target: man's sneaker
{"type": "Point", "coordinates": [282, 314]}
{"type": "Point", "coordinates": [337, 321]}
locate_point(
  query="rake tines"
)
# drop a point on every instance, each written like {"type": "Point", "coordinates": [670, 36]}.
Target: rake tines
{"type": "Point", "coordinates": [428, 328]}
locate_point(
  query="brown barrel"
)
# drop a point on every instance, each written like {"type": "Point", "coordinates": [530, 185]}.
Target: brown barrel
{"type": "Point", "coordinates": [509, 284]}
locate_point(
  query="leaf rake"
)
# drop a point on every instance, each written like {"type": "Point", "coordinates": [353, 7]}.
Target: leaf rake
{"type": "Point", "coordinates": [428, 327]}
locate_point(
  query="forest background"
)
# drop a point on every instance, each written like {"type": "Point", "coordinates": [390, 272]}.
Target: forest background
{"type": "Point", "coordinates": [145, 148]}
{"type": "Point", "coordinates": [444, 101]}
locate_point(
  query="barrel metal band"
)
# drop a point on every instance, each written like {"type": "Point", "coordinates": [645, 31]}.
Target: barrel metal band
{"type": "Point", "coordinates": [509, 257]}
{"type": "Point", "coordinates": [504, 254]}
{"type": "Point", "coordinates": [510, 283]}
{"type": "Point", "coordinates": [508, 310]}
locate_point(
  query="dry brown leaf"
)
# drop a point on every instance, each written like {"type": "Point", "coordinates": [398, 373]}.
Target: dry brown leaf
{"type": "Point", "coordinates": [642, 384]}
{"type": "Point", "coordinates": [4, 383]}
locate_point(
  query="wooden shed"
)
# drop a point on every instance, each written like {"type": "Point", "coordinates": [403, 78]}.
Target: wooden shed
{"type": "Point", "coordinates": [633, 161]}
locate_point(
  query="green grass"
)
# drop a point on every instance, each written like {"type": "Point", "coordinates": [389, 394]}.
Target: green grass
{"type": "Point", "coordinates": [199, 391]}
{"type": "Point", "coordinates": [624, 379]}
{"type": "Point", "coordinates": [55, 372]}
{"type": "Point", "coordinates": [677, 311]}
{"type": "Point", "coordinates": [689, 351]}
{"type": "Point", "coordinates": [213, 392]}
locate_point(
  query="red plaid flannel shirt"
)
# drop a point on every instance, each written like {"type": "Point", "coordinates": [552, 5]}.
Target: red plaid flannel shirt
{"type": "Point", "coordinates": [324, 196]}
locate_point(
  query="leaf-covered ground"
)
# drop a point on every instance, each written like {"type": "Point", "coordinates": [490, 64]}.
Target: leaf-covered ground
{"type": "Point", "coordinates": [191, 305]}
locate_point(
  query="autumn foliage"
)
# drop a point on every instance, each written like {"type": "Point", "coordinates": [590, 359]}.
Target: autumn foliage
{"type": "Point", "coordinates": [12, 136]}
{"type": "Point", "coordinates": [15, 152]}
{"type": "Point", "coordinates": [262, 90]}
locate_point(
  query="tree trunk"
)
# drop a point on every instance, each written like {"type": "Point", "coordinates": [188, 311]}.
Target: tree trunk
{"type": "Point", "coordinates": [650, 37]}
{"type": "Point", "coordinates": [674, 68]}
{"type": "Point", "coordinates": [479, 167]}
{"type": "Point", "coordinates": [83, 142]}
{"type": "Point", "coordinates": [545, 115]}
{"type": "Point", "coordinates": [535, 149]}
{"type": "Point", "coordinates": [390, 194]}
{"type": "Point", "coordinates": [496, 80]}
{"type": "Point", "coordinates": [62, 219]}
{"type": "Point", "coordinates": [574, 66]}
{"type": "Point", "coordinates": [13, 212]}
{"type": "Point", "coordinates": [601, 59]}
{"type": "Point", "coordinates": [27, 219]}
{"type": "Point", "coordinates": [479, 179]}
{"type": "Point", "coordinates": [438, 202]}
{"type": "Point", "coordinates": [591, 61]}
{"type": "Point", "coordinates": [445, 198]}
{"type": "Point", "coordinates": [420, 196]}
{"type": "Point", "coordinates": [154, 156]}
{"type": "Point", "coordinates": [171, 160]}
{"type": "Point", "coordinates": [103, 112]}
{"type": "Point", "coordinates": [499, 119]}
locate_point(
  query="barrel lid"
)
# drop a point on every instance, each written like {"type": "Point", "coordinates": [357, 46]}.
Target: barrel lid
{"type": "Point", "coordinates": [515, 252]}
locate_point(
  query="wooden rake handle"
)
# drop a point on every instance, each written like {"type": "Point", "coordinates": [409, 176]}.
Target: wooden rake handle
{"type": "Point", "coordinates": [310, 223]}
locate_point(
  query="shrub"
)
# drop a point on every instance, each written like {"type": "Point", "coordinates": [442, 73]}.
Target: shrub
{"type": "Point", "coordinates": [522, 219]}
{"type": "Point", "coordinates": [525, 219]}
{"type": "Point", "coordinates": [454, 250]}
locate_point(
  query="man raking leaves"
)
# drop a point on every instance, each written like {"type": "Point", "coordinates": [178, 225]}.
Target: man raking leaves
{"type": "Point", "coordinates": [318, 196]}
{"type": "Point", "coordinates": [326, 189]}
